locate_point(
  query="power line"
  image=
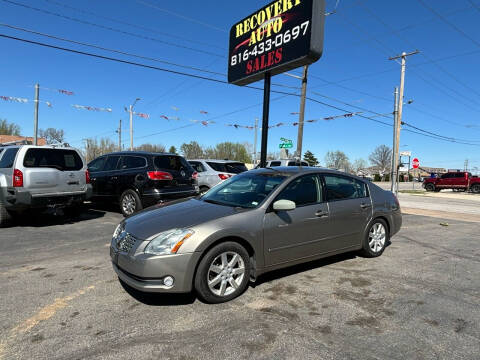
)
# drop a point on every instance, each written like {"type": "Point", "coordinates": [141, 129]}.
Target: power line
{"type": "Point", "coordinates": [132, 25]}
{"type": "Point", "coordinates": [110, 50]}
{"type": "Point", "coordinates": [112, 29]}
{"type": "Point", "coordinates": [181, 16]}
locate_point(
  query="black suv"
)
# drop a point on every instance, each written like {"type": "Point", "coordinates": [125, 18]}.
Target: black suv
{"type": "Point", "coordinates": [141, 179]}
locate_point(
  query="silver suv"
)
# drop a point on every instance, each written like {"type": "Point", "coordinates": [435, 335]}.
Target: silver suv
{"type": "Point", "coordinates": [212, 172]}
{"type": "Point", "coordinates": [41, 177]}
{"type": "Point", "coordinates": [284, 162]}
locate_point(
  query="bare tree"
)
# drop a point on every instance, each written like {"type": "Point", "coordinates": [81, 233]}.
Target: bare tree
{"type": "Point", "coordinates": [381, 157]}
{"type": "Point", "coordinates": [337, 160]}
{"type": "Point", "coordinates": [52, 136]}
{"type": "Point", "coordinates": [7, 128]}
{"type": "Point", "coordinates": [359, 164]}
{"type": "Point", "coordinates": [95, 148]}
{"type": "Point", "coordinates": [156, 148]}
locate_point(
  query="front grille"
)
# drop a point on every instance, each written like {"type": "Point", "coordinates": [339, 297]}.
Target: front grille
{"type": "Point", "coordinates": [126, 242]}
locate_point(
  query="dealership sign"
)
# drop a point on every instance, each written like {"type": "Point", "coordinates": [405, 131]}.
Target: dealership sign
{"type": "Point", "coordinates": [279, 37]}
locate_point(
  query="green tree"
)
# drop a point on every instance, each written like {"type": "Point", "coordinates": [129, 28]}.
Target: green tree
{"type": "Point", "coordinates": [310, 158]}
{"type": "Point", "coordinates": [172, 150]}
{"type": "Point", "coordinates": [156, 148]}
{"type": "Point", "coordinates": [52, 136]}
{"type": "Point", "coordinates": [9, 129]}
{"type": "Point", "coordinates": [192, 150]}
{"type": "Point", "coordinates": [337, 160]}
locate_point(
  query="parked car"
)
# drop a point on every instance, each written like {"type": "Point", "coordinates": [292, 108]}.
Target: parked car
{"type": "Point", "coordinates": [284, 162]}
{"type": "Point", "coordinates": [463, 181]}
{"type": "Point", "coordinates": [39, 177]}
{"type": "Point", "coordinates": [140, 179]}
{"type": "Point", "coordinates": [212, 172]}
{"type": "Point", "coordinates": [252, 223]}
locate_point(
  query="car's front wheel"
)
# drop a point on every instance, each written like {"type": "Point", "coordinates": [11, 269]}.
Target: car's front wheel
{"type": "Point", "coordinates": [130, 203]}
{"type": "Point", "coordinates": [223, 273]}
{"type": "Point", "coordinates": [376, 239]}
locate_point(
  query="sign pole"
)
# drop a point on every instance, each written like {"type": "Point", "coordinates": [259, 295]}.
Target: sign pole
{"type": "Point", "coordinates": [266, 110]}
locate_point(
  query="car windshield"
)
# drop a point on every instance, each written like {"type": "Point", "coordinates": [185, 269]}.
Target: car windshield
{"type": "Point", "coordinates": [247, 190]}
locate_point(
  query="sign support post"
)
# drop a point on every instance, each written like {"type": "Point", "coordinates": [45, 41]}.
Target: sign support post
{"type": "Point", "coordinates": [266, 111]}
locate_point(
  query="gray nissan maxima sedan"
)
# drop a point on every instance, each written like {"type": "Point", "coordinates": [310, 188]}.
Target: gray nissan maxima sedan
{"type": "Point", "coordinates": [253, 223]}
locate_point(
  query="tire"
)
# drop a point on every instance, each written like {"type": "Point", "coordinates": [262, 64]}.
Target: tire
{"type": "Point", "coordinates": [375, 239]}
{"type": "Point", "coordinates": [130, 203]}
{"type": "Point", "coordinates": [5, 216]}
{"type": "Point", "coordinates": [476, 188]}
{"type": "Point", "coordinates": [229, 265]}
{"type": "Point", "coordinates": [203, 190]}
{"type": "Point", "coordinates": [430, 187]}
{"type": "Point", "coordinates": [437, 190]}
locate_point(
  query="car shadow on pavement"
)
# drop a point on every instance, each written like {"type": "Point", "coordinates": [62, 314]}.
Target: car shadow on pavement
{"type": "Point", "coordinates": [156, 299]}
{"type": "Point", "coordinates": [296, 269]}
{"type": "Point", "coordinates": [43, 219]}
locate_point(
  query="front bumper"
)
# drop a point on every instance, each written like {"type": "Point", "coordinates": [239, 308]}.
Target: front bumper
{"type": "Point", "coordinates": [146, 272]}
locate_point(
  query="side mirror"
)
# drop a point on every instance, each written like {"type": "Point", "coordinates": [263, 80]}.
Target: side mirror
{"type": "Point", "coordinates": [284, 205]}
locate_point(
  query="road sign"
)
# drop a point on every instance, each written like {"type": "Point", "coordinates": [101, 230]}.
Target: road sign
{"type": "Point", "coordinates": [415, 163]}
{"type": "Point", "coordinates": [405, 153]}
{"type": "Point", "coordinates": [281, 36]}
{"type": "Point", "coordinates": [285, 146]}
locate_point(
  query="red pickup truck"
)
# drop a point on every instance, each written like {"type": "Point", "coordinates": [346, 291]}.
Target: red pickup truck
{"type": "Point", "coordinates": [453, 180]}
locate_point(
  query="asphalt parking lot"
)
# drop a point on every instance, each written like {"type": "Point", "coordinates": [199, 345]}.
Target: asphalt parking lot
{"type": "Point", "coordinates": [60, 299]}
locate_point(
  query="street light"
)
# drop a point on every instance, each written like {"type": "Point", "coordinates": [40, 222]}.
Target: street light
{"type": "Point", "coordinates": [131, 123]}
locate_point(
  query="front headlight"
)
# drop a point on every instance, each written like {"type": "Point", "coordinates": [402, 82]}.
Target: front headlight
{"type": "Point", "coordinates": [118, 230]}
{"type": "Point", "coordinates": [168, 242]}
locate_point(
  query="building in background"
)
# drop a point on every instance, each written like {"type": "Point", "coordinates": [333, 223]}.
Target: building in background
{"type": "Point", "coordinates": [6, 139]}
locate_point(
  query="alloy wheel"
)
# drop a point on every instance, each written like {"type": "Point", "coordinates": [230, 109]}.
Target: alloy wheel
{"type": "Point", "coordinates": [129, 204]}
{"type": "Point", "coordinates": [377, 237]}
{"type": "Point", "coordinates": [226, 273]}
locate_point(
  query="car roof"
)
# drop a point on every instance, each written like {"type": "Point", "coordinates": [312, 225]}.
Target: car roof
{"type": "Point", "coordinates": [139, 153]}
{"type": "Point", "coordinates": [218, 161]}
{"type": "Point", "coordinates": [294, 170]}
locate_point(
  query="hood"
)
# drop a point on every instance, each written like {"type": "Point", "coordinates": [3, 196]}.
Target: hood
{"type": "Point", "coordinates": [182, 214]}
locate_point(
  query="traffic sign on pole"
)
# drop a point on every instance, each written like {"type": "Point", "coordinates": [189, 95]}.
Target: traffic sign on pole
{"type": "Point", "coordinates": [415, 163]}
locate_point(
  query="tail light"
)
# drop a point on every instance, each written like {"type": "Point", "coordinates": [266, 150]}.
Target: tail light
{"type": "Point", "coordinates": [159, 175]}
{"type": "Point", "coordinates": [87, 177]}
{"type": "Point", "coordinates": [223, 176]}
{"type": "Point", "coordinates": [195, 175]}
{"type": "Point", "coordinates": [17, 178]}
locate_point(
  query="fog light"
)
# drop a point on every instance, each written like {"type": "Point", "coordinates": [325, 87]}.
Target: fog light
{"type": "Point", "coordinates": [168, 281]}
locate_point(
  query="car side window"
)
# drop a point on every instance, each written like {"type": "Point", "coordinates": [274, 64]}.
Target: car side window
{"type": "Point", "coordinates": [8, 158]}
{"type": "Point", "coordinates": [305, 190]}
{"type": "Point", "coordinates": [275, 163]}
{"type": "Point", "coordinates": [344, 188]}
{"type": "Point", "coordinates": [97, 164]}
{"type": "Point", "coordinates": [133, 162]}
{"type": "Point", "coordinates": [111, 163]}
{"type": "Point", "coordinates": [197, 166]}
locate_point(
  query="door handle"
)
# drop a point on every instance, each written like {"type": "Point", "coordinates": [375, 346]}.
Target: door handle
{"type": "Point", "coordinates": [321, 213]}
{"type": "Point", "coordinates": [365, 206]}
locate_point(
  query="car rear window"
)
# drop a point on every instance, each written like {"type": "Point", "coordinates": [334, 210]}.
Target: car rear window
{"type": "Point", "coordinates": [8, 158]}
{"type": "Point", "coordinates": [61, 159]}
{"type": "Point", "coordinates": [134, 162]}
{"type": "Point", "coordinates": [170, 162]}
{"type": "Point", "coordinates": [343, 188]}
{"type": "Point", "coordinates": [233, 167]}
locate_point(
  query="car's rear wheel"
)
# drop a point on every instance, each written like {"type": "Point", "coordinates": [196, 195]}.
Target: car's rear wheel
{"type": "Point", "coordinates": [130, 203]}
{"type": "Point", "coordinates": [430, 187]}
{"type": "Point", "coordinates": [376, 239]}
{"type": "Point", "coordinates": [5, 216]}
{"type": "Point", "coordinates": [203, 190]}
{"type": "Point", "coordinates": [223, 273]}
{"type": "Point", "coordinates": [476, 189]}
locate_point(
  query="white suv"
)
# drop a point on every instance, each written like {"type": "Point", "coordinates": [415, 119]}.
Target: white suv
{"type": "Point", "coordinates": [41, 177]}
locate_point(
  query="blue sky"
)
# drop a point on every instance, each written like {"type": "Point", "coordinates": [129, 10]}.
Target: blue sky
{"type": "Point", "coordinates": [355, 69]}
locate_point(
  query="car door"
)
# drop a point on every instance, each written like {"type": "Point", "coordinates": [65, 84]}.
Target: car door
{"type": "Point", "coordinates": [111, 179]}
{"type": "Point", "coordinates": [350, 209]}
{"type": "Point", "coordinates": [97, 177]}
{"type": "Point", "coordinates": [300, 233]}
{"type": "Point", "coordinates": [445, 181]}
{"type": "Point", "coordinates": [132, 173]}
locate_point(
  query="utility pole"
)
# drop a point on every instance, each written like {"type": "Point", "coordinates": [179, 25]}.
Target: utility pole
{"type": "Point", "coordinates": [35, 115]}
{"type": "Point", "coordinates": [266, 113]}
{"type": "Point", "coordinates": [131, 123]}
{"type": "Point", "coordinates": [301, 116]}
{"type": "Point", "coordinates": [400, 109]}
{"type": "Point", "coordinates": [119, 131]}
{"type": "Point", "coordinates": [255, 142]}
{"type": "Point", "coordinates": [393, 173]}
